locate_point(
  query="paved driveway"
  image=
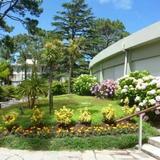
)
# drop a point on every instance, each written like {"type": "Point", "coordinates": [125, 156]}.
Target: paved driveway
{"type": "Point", "coordinates": [7, 154]}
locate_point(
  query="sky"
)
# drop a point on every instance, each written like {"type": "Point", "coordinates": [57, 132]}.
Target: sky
{"type": "Point", "coordinates": [135, 14]}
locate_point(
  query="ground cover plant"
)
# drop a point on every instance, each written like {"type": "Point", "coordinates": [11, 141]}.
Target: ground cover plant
{"type": "Point", "coordinates": [26, 133]}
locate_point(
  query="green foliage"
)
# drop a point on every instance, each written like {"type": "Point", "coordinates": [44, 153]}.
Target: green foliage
{"type": "Point", "coordinates": [4, 70]}
{"type": "Point", "coordinates": [104, 33]}
{"type": "Point", "coordinates": [108, 115]}
{"type": "Point", "coordinates": [73, 21]}
{"type": "Point", "coordinates": [71, 24]}
{"type": "Point", "coordinates": [76, 103]}
{"type": "Point", "coordinates": [32, 88]}
{"type": "Point", "coordinates": [64, 116]}
{"type": "Point", "coordinates": [18, 10]}
{"type": "Point", "coordinates": [10, 91]}
{"type": "Point", "coordinates": [83, 84]}
{"type": "Point", "coordinates": [59, 88]}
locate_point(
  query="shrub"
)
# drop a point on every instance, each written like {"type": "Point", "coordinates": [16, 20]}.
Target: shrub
{"type": "Point", "coordinates": [85, 117]}
{"type": "Point", "coordinates": [9, 119]}
{"type": "Point", "coordinates": [8, 92]}
{"type": "Point", "coordinates": [59, 88]}
{"type": "Point", "coordinates": [141, 89]}
{"type": "Point", "coordinates": [108, 115]}
{"type": "Point", "coordinates": [133, 87]}
{"type": "Point", "coordinates": [64, 116]}
{"type": "Point", "coordinates": [105, 89]}
{"type": "Point", "coordinates": [83, 84]}
{"type": "Point", "coordinates": [129, 110]}
{"type": "Point", "coordinates": [37, 115]}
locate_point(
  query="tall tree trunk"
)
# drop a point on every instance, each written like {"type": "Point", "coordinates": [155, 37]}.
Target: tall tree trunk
{"type": "Point", "coordinates": [32, 102]}
{"type": "Point", "coordinates": [70, 75]}
{"type": "Point", "coordinates": [25, 71]}
{"type": "Point", "coordinates": [50, 95]}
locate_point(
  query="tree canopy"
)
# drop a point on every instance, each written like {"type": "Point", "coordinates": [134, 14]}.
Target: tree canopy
{"type": "Point", "coordinates": [18, 10]}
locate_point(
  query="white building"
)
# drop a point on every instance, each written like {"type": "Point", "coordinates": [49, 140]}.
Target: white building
{"type": "Point", "coordinates": [18, 74]}
{"type": "Point", "coordinates": [138, 51]}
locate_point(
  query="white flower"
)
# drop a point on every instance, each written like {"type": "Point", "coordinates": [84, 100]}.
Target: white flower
{"type": "Point", "coordinates": [121, 100]}
{"type": "Point", "coordinates": [157, 112]}
{"type": "Point", "coordinates": [126, 87]}
{"type": "Point", "coordinates": [146, 78]}
{"type": "Point", "coordinates": [152, 102]}
{"type": "Point", "coordinates": [141, 86]}
{"type": "Point", "coordinates": [153, 82]}
{"type": "Point", "coordinates": [137, 99]}
{"type": "Point", "coordinates": [124, 90]}
{"type": "Point", "coordinates": [158, 98]}
{"type": "Point", "coordinates": [137, 109]}
{"type": "Point", "coordinates": [140, 80]}
{"type": "Point", "coordinates": [152, 92]}
{"type": "Point", "coordinates": [144, 102]}
{"type": "Point", "coordinates": [141, 104]}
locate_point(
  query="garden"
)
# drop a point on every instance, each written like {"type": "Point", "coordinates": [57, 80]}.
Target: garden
{"type": "Point", "coordinates": [61, 106]}
{"type": "Point", "coordinates": [85, 119]}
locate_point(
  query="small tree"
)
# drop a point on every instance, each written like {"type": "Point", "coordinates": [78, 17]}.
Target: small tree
{"type": "Point", "coordinates": [52, 53]}
{"type": "Point", "coordinates": [32, 88]}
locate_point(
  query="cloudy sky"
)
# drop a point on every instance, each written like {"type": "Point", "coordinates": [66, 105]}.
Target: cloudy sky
{"type": "Point", "coordinates": [135, 14]}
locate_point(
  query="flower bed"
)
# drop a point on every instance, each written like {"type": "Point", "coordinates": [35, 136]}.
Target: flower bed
{"type": "Point", "coordinates": [76, 131]}
{"type": "Point", "coordinates": [97, 130]}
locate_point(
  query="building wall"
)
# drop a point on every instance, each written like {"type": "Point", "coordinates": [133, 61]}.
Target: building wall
{"type": "Point", "coordinates": [142, 58]}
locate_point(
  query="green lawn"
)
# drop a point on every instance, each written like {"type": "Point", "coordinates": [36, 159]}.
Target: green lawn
{"type": "Point", "coordinates": [74, 102]}
{"type": "Point", "coordinates": [73, 143]}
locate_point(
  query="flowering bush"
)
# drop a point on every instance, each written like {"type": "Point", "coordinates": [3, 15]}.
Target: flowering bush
{"type": "Point", "coordinates": [83, 84]}
{"type": "Point", "coordinates": [84, 131]}
{"type": "Point", "coordinates": [37, 115]}
{"type": "Point", "coordinates": [108, 115]}
{"type": "Point", "coordinates": [9, 119]}
{"type": "Point", "coordinates": [141, 89]}
{"type": "Point", "coordinates": [105, 89]}
{"type": "Point", "coordinates": [85, 117]}
{"type": "Point", "coordinates": [64, 116]}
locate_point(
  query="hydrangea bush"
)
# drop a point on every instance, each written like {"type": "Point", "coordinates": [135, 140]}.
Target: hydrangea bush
{"type": "Point", "coordinates": [105, 89]}
{"type": "Point", "coordinates": [139, 88]}
{"type": "Point", "coordinates": [83, 83]}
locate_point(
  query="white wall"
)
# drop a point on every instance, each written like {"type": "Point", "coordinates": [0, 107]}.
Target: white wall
{"type": "Point", "coordinates": [142, 58]}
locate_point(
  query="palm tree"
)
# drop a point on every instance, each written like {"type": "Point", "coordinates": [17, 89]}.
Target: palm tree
{"type": "Point", "coordinates": [52, 53]}
{"type": "Point", "coordinates": [31, 88]}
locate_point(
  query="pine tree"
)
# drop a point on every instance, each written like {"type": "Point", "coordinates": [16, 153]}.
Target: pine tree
{"type": "Point", "coordinates": [74, 21]}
